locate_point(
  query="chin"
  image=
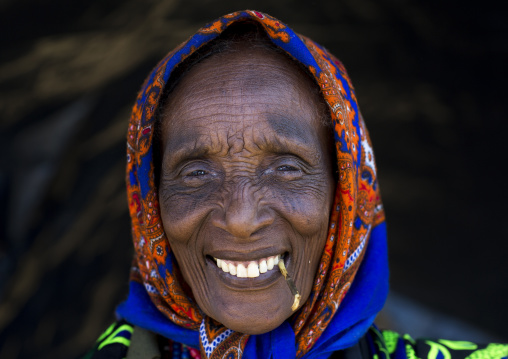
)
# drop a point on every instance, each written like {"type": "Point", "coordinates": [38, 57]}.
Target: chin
{"type": "Point", "coordinates": [252, 312]}
{"type": "Point", "coordinates": [254, 324]}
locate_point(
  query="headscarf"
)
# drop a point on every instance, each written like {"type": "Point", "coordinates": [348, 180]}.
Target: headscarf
{"type": "Point", "coordinates": [340, 309]}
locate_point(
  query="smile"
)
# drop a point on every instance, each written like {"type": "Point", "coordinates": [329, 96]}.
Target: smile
{"type": "Point", "coordinates": [248, 269]}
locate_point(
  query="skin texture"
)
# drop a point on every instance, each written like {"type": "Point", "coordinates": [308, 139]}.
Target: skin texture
{"type": "Point", "coordinates": [246, 173]}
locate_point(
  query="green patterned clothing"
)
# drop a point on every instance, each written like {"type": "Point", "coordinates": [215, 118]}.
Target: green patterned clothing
{"type": "Point", "coordinates": [119, 342]}
{"type": "Point", "coordinates": [386, 344]}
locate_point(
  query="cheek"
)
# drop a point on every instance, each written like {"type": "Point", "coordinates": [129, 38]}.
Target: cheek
{"type": "Point", "coordinates": [193, 269]}
{"type": "Point", "coordinates": [182, 217]}
{"type": "Point", "coordinates": [308, 211]}
{"type": "Point", "coordinates": [183, 213]}
{"type": "Point", "coordinates": [306, 207]}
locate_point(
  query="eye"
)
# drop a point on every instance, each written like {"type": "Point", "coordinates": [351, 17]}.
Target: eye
{"type": "Point", "coordinates": [288, 171]}
{"type": "Point", "coordinates": [195, 178]}
{"type": "Point", "coordinates": [197, 173]}
{"type": "Point", "coordinates": [287, 168]}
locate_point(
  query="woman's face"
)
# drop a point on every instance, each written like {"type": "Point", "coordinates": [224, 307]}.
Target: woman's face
{"type": "Point", "coordinates": [246, 176]}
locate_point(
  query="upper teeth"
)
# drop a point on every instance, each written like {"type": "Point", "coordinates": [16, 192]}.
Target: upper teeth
{"type": "Point", "coordinates": [250, 269]}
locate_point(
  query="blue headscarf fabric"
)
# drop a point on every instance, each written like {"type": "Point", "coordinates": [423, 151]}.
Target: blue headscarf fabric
{"type": "Point", "coordinates": [352, 280]}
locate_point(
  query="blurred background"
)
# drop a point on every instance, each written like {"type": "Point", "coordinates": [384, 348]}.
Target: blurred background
{"type": "Point", "coordinates": [430, 77]}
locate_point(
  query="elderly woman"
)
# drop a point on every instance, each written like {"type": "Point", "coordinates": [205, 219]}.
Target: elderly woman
{"type": "Point", "coordinates": [256, 217]}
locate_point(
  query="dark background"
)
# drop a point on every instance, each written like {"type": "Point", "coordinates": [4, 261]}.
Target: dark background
{"type": "Point", "coordinates": [430, 78]}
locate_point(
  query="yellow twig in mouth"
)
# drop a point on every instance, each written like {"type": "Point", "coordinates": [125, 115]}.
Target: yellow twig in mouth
{"type": "Point", "coordinates": [291, 284]}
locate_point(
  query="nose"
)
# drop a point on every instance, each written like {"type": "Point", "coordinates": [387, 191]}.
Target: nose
{"type": "Point", "coordinates": [245, 212]}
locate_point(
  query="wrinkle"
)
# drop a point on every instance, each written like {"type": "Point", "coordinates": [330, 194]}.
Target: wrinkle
{"type": "Point", "coordinates": [243, 127]}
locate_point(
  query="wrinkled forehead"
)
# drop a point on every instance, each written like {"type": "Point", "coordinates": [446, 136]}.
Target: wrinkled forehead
{"type": "Point", "coordinates": [296, 117]}
{"type": "Point", "coordinates": [244, 89]}
{"type": "Point", "coordinates": [243, 80]}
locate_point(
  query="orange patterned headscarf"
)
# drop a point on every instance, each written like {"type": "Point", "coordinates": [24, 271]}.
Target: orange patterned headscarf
{"type": "Point", "coordinates": [356, 212]}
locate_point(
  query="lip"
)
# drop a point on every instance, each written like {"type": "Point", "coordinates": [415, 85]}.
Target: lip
{"type": "Point", "coordinates": [246, 255]}
{"type": "Point", "coordinates": [264, 280]}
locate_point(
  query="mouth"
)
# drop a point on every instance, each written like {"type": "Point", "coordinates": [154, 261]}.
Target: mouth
{"type": "Point", "coordinates": [249, 269]}
{"type": "Point", "coordinates": [249, 274]}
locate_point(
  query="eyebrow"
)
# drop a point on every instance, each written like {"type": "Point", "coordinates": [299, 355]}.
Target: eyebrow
{"type": "Point", "coordinates": [287, 129]}
{"type": "Point", "coordinates": [185, 147]}
{"type": "Point", "coordinates": [288, 139]}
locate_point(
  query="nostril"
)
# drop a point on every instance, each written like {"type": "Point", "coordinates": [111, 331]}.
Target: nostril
{"type": "Point", "coordinates": [243, 211]}
{"type": "Point", "coordinates": [244, 222]}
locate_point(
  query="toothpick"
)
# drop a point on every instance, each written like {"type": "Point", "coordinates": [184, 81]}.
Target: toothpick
{"type": "Point", "coordinates": [291, 284]}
